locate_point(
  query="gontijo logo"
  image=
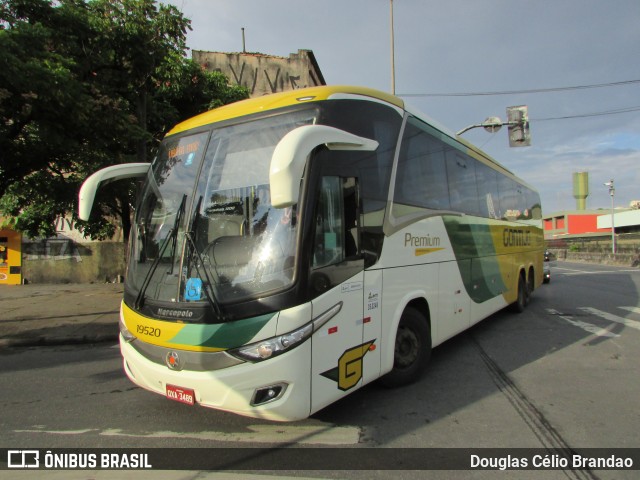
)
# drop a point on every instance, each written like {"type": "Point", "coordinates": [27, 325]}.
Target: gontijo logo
{"type": "Point", "coordinates": [516, 237]}
{"type": "Point", "coordinates": [349, 370]}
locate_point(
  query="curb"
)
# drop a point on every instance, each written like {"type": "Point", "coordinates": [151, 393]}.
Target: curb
{"type": "Point", "coordinates": [56, 342]}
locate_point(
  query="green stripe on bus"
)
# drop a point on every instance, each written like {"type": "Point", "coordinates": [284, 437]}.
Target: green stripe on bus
{"type": "Point", "coordinates": [222, 335]}
{"type": "Point", "coordinates": [477, 258]}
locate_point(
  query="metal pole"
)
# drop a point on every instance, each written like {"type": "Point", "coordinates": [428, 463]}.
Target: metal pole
{"type": "Point", "coordinates": [244, 46]}
{"type": "Point", "coordinates": [612, 192]}
{"type": "Point", "coordinates": [393, 66]}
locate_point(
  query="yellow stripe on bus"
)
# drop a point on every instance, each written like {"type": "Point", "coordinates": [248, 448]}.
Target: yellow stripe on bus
{"type": "Point", "coordinates": [159, 332]}
{"type": "Point", "coordinates": [426, 251]}
{"type": "Point", "coordinates": [279, 100]}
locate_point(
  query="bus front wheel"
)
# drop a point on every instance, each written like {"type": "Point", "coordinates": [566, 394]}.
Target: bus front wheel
{"type": "Point", "coordinates": [412, 349]}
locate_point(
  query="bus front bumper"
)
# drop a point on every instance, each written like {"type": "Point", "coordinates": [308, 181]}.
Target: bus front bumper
{"type": "Point", "coordinates": [244, 389]}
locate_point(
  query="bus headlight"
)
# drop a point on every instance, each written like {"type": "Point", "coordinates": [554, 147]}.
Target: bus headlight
{"type": "Point", "coordinates": [274, 346]}
{"type": "Point", "coordinates": [125, 332]}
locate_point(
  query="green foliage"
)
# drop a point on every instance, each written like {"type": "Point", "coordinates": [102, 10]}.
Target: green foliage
{"type": "Point", "coordinates": [189, 90]}
{"type": "Point", "coordinates": [85, 84]}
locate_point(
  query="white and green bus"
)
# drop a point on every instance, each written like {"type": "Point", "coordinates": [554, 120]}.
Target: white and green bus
{"type": "Point", "coordinates": [289, 249]}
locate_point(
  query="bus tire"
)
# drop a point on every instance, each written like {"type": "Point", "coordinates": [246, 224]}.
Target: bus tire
{"type": "Point", "coordinates": [521, 300]}
{"type": "Point", "coordinates": [412, 349]}
{"type": "Point", "coordinates": [530, 286]}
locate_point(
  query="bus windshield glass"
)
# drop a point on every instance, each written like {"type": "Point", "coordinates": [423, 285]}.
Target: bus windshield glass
{"type": "Point", "coordinates": [205, 229]}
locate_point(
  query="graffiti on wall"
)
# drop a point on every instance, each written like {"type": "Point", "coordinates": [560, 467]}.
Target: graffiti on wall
{"type": "Point", "coordinates": [52, 249]}
{"type": "Point", "coordinates": [248, 77]}
{"type": "Point", "coordinates": [264, 74]}
{"type": "Point", "coordinates": [66, 228]}
{"type": "Point", "coordinates": [66, 245]}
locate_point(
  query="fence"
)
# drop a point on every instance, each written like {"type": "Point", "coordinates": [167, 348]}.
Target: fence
{"type": "Point", "coordinates": [597, 249]}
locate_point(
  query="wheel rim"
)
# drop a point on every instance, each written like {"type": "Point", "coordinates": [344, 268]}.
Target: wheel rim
{"type": "Point", "coordinates": [407, 347]}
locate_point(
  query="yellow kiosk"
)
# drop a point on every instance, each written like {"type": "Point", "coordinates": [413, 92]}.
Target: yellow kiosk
{"type": "Point", "coordinates": [10, 257]}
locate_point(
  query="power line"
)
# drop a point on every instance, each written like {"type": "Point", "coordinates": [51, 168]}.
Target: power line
{"type": "Point", "coordinates": [514, 92]}
{"type": "Point", "coordinates": [592, 114]}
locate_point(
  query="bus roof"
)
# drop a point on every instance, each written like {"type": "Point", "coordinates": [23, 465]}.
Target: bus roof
{"type": "Point", "coordinates": [279, 100]}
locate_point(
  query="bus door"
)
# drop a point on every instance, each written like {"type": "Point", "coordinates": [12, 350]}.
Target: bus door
{"type": "Point", "coordinates": [372, 324]}
{"type": "Point", "coordinates": [337, 278]}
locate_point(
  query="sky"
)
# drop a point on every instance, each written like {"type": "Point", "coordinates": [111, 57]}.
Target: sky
{"type": "Point", "coordinates": [474, 46]}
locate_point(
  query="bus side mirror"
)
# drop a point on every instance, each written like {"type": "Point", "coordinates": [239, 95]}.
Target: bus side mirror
{"type": "Point", "coordinates": [290, 157]}
{"type": "Point", "coordinates": [109, 174]}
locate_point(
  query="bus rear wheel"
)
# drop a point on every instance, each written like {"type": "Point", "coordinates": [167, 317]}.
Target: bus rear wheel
{"type": "Point", "coordinates": [412, 349]}
{"type": "Point", "coordinates": [521, 300]}
{"type": "Point", "coordinates": [530, 286]}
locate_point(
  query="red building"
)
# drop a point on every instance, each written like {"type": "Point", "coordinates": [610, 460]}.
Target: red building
{"type": "Point", "coordinates": [577, 222]}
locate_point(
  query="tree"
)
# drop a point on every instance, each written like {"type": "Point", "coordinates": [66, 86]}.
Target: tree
{"type": "Point", "coordinates": [84, 85]}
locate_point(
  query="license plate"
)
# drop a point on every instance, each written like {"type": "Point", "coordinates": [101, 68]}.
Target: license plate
{"type": "Point", "coordinates": [179, 394]}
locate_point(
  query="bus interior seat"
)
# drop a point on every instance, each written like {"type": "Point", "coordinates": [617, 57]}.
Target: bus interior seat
{"type": "Point", "coordinates": [229, 254]}
{"type": "Point", "coordinates": [222, 227]}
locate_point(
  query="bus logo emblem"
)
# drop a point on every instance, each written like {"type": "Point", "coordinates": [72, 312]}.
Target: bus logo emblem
{"type": "Point", "coordinates": [349, 370]}
{"type": "Point", "coordinates": [173, 361]}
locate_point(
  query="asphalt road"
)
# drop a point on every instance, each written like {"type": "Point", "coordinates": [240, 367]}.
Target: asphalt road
{"type": "Point", "coordinates": [563, 374]}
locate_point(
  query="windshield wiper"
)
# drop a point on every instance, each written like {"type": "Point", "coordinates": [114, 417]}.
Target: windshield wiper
{"type": "Point", "coordinates": [172, 237]}
{"type": "Point", "coordinates": [191, 238]}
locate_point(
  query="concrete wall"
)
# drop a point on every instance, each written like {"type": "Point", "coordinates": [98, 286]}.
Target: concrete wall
{"type": "Point", "coordinates": [624, 259]}
{"type": "Point", "coordinates": [66, 261]}
{"type": "Point", "coordinates": [264, 74]}
{"type": "Point", "coordinates": [69, 257]}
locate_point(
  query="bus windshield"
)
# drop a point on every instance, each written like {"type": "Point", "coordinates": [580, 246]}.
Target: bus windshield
{"type": "Point", "coordinates": [205, 229]}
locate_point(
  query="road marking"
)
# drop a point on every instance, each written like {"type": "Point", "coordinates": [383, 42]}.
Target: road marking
{"type": "Point", "coordinates": [323, 435]}
{"type": "Point", "coordinates": [59, 432]}
{"type": "Point", "coordinates": [587, 327]}
{"type": "Point", "coordinates": [612, 318]}
{"type": "Point", "coordinates": [570, 272]}
{"type": "Point", "coordinates": [568, 269]}
{"type": "Point", "coordinates": [631, 309]}
{"type": "Point", "coordinates": [273, 434]}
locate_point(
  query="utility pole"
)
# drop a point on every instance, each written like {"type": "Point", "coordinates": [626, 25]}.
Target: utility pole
{"type": "Point", "coordinates": [612, 192]}
{"type": "Point", "coordinates": [393, 66]}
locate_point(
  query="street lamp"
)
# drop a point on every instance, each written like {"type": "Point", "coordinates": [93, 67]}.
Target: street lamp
{"type": "Point", "coordinates": [517, 121]}
{"type": "Point", "coordinates": [612, 192]}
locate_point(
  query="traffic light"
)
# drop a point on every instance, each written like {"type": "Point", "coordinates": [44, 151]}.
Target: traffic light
{"type": "Point", "coordinates": [518, 124]}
